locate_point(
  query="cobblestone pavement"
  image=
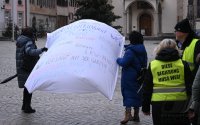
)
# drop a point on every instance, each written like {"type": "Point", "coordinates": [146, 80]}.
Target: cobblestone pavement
{"type": "Point", "coordinates": [58, 109]}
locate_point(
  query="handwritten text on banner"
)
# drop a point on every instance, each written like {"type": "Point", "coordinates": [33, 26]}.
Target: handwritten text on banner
{"type": "Point", "coordinates": [81, 58]}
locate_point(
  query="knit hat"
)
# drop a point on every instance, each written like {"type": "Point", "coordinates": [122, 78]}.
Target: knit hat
{"type": "Point", "coordinates": [183, 26]}
{"type": "Point", "coordinates": [136, 37]}
{"type": "Point", "coordinates": [27, 31]}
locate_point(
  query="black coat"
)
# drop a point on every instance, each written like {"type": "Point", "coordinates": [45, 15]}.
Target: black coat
{"type": "Point", "coordinates": [25, 45]}
{"type": "Point", "coordinates": [160, 118]}
{"type": "Point", "coordinates": [186, 43]}
{"type": "Point", "coordinates": [131, 63]}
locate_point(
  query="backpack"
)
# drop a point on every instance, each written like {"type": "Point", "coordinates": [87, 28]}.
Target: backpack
{"type": "Point", "coordinates": [141, 75]}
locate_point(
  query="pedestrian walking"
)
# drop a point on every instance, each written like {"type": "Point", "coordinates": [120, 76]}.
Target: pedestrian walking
{"type": "Point", "coordinates": [27, 56]}
{"type": "Point", "coordinates": [189, 43]}
{"type": "Point", "coordinates": [134, 59]}
{"type": "Point", "coordinates": [167, 86]}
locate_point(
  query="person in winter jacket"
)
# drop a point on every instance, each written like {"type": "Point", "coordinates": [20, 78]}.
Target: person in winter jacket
{"type": "Point", "coordinates": [189, 43]}
{"type": "Point", "coordinates": [27, 56]}
{"type": "Point", "coordinates": [167, 86]}
{"type": "Point", "coordinates": [134, 59]}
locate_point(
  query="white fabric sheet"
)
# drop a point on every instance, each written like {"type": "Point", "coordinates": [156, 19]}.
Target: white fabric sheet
{"type": "Point", "coordinates": [81, 58]}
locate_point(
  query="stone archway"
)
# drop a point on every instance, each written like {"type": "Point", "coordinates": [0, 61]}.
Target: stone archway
{"type": "Point", "coordinates": [135, 13]}
{"type": "Point", "coordinates": [145, 24]}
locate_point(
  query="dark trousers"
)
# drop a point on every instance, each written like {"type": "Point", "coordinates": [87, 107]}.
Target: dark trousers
{"type": "Point", "coordinates": [26, 98]}
{"type": "Point", "coordinates": [194, 121]}
{"type": "Point", "coordinates": [162, 118]}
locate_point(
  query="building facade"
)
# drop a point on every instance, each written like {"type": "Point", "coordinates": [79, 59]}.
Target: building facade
{"type": "Point", "coordinates": [2, 6]}
{"type": "Point", "coordinates": [153, 17]}
{"type": "Point", "coordinates": [65, 12]}
{"type": "Point", "coordinates": [9, 16]}
{"type": "Point", "coordinates": [150, 17]}
{"type": "Point", "coordinates": [48, 15]}
{"type": "Point", "coordinates": [44, 15]}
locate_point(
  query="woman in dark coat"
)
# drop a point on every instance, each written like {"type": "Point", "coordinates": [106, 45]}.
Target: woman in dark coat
{"type": "Point", "coordinates": [134, 59]}
{"type": "Point", "coordinates": [27, 56]}
{"type": "Point", "coordinates": [167, 86]}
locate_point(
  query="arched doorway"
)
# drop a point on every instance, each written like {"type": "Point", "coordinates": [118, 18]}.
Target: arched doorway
{"type": "Point", "coordinates": [145, 24]}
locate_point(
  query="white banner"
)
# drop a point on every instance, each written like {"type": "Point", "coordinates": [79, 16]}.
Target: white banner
{"type": "Point", "coordinates": [81, 58]}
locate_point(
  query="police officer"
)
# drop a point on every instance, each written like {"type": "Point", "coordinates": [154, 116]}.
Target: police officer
{"type": "Point", "coordinates": [167, 86]}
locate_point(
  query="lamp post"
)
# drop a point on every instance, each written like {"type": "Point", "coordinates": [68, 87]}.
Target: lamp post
{"type": "Point", "coordinates": [13, 20]}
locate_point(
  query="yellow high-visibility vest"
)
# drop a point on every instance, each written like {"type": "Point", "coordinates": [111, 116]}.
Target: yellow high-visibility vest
{"type": "Point", "coordinates": [168, 81]}
{"type": "Point", "coordinates": [188, 54]}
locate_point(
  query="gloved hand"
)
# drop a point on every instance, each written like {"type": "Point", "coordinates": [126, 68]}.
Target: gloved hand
{"type": "Point", "coordinates": [44, 49]}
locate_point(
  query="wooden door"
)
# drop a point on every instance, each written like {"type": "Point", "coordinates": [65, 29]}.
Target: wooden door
{"type": "Point", "coordinates": [145, 24]}
{"type": "Point", "coordinates": [62, 21]}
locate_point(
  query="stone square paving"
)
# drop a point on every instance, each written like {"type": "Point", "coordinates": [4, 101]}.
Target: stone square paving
{"type": "Point", "coordinates": [58, 109]}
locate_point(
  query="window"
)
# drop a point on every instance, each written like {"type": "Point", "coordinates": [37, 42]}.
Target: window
{"type": "Point", "coordinates": [73, 3]}
{"type": "Point", "coordinates": [7, 18]}
{"type": "Point", "coordinates": [19, 2]}
{"type": "Point", "coordinates": [63, 3]}
{"type": "Point", "coordinates": [20, 19]}
{"type": "Point", "coordinates": [54, 3]}
{"type": "Point", "coordinates": [7, 1]}
{"type": "Point", "coordinates": [33, 1]}
{"type": "Point", "coordinates": [198, 8]}
{"type": "Point", "coordinates": [71, 16]}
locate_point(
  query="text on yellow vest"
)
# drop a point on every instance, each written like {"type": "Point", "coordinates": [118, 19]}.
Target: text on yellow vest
{"type": "Point", "coordinates": [168, 81]}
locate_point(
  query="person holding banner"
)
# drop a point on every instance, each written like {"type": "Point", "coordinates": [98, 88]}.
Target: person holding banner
{"type": "Point", "coordinates": [167, 86]}
{"type": "Point", "coordinates": [134, 59]}
{"type": "Point", "coordinates": [27, 56]}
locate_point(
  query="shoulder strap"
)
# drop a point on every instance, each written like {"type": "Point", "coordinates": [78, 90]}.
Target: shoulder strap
{"type": "Point", "coordinates": [143, 65]}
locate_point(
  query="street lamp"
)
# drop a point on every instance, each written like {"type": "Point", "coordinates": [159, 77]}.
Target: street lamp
{"type": "Point", "coordinates": [13, 21]}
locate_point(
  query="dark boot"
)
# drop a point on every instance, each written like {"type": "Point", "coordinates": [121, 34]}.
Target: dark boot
{"type": "Point", "coordinates": [127, 117]}
{"type": "Point", "coordinates": [26, 107]}
{"type": "Point", "coordinates": [136, 117]}
{"type": "Point", "coordinates": [24, 99]}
